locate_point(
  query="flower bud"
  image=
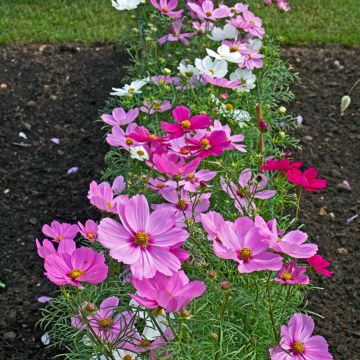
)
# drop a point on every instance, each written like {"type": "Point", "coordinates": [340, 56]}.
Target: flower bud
{"type": "Point", "coordinates": [211, 274]}
{"type": "Point", "coordinates": [263, 126]}
{"type": "Point", "coordinates": [214, 336]}
{"type": "Point", "coordinates": [225, 285]}
{"type": "Point", "coordinates": [282, 134]}
{"type": "Point", "coordinates": [90, 307]}
{"type": "Point", "coordinates": [185, 314]}
{"type": "Point", "coordinates": [167, 71]}
{"type": "Point", "coordinates": [282, 110]}
{"type": "Point", "coordinates": [345, 102]}
{"type": "Point", "coordinates": [224, 96]}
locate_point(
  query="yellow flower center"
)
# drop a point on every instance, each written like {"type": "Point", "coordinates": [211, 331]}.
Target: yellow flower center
{"type": "Point", "coordinates": [142, 239]}
{"type": "Point", "coordinates": [208, 13]}
{"type": "Point", "coordinates": [229, 107]}
{"type": "Point", "coordinates": [152, 136]}
{"type": "Point", "coordinates": [162, 81]}
{"type": "Point", "coordinates": [251, 22]}
{"type": "Point", "coordinates": [128, 357]}
{"type": "Point", "coordinates": [59, 237]}
{"type": "Point", "coordinates": [158, 311]}
{"type": "Point", "coordinates": [205, 144]}
{"type": "Point", "coordinates": [129, 141]}
{"type": "Point", "coordinates": [160, 186]}
{"type": "Point", "coordinates": [90, 235]}
{"type": "Point", "coordinates": [140, 153]}
{"type": "Point", "coordinates": [109, 205]}
{"type": "Point", "coordinates": [156, 107]}
{"type": "Point", "coordinates": [298, 347]}
{"type": "Point", "coordinates": [182, 204]}
{"type": "Point", "coordinates": [145, 343]}
{"type": "Point", "coordinates": [186, 124]}
{"type": "Point", "coordinates": [165, 10]}
{"type": "Point", "coordinates": [105, 323]}
{"type": "Point", "coordinates": [212, 71]}
{"type": "Point", "coordinates": [191, 176]}
{"type": "Point", "coordinates": [234, 48]}
{"type": "Point", "coordinates": [184, 151]}
{"type": "Point", "coordinates": [131, 90]}
{"type": "Point", "coordinates": [74, 274]}
{"type": "Point", "coordinates": [245, 254]}
{"type": "Point", "coordinates": [287, 276]}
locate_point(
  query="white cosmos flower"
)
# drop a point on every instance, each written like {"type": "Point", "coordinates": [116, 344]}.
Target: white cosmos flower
{"type": "Point", "coordinates": [214, 68]}
{"type": "Point", "coordinates": [228, 32]}
{"type": "Point", "coordinates": [254, 44]}
{"type": "Point", "coordinates": [224, 53]}
{"type": "Point", "coordinates": [139, 153]}
{"type": "Point", "coordinates": [188, 70]}
{"type": "Point", "coordinates": [130, 89]}
{"type": "Point", "coordinates": [118, 354]}
{"type": "Point", "coordinates": [246, 77]}
{"type": "Point", "coordinates": [122, 5]}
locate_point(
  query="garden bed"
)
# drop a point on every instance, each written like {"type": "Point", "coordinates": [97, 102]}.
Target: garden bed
{"type": "Point", "coordinates": [55, 92]}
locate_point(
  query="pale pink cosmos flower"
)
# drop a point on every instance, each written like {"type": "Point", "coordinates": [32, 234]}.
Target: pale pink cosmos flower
{"type": "Point", "coordinates": [176, 34]}
{"type": "Point", "coordinates": [120, 117]}
{"type": "Point", "coordinates": [298, 343]}
{"type": "Point", "coordinates": [163, 79]}
{"type": "Point", "coordinates": [193, 180]}
{"type": "Point", "coordinates": [222, 82]}
{"type": "Point", "coordinates": [203, 27]}
{"type": "Point", "coordinates": [292, 274]}
{"type": "Point", "coordinates": [120, 138]}
{"type": "Point", "coordinates": [282, 4]}
{"type": "Point", "coordinates": [167, 8]}
{"type": "Point", "coordinates": [248, 188]}
{"type": "Point", "coordinates": [207, 10]}
{"type": "Point", "coordinates": [143, 240]}
{"type": "Point", "coordinates": [155, 106]}
{"type": "Point", "coordinates": [171, 293]}
{"type": "Point", "coordinates": [76, 266]}
{"type": "Point", "coordinates": [241, 241]}
{"type": "Point", "coordinates": [160, 184]}
{"type": "Point", "coordinates": [57, 231]}
{"type": "Point", "coordinates": [103, 197]}
{"type": "Point", "coordinates": [234, 139]}
{"type": "Point", "coordinates": [203, 145]}
{"type": "Point", "coordinates": [252, 59]}
{"type": "Point", "coordinates": [211, 222]}
{"type": "Point", "coordinates": [249, 23]}
{"type": "Point", "coordinates": [185, 122]}
{"type": "Point", "coordinates": [89, 230]}
{"type": "Point", "coordinates": [185, 205]}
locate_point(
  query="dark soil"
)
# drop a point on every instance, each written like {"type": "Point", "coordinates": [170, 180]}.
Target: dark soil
{"type": "Point", "coordinates": [45, 92]}
{"type": "Point", "coordinates": [331, 143]}
{"type": "Point", "coordinates": [57, 92]}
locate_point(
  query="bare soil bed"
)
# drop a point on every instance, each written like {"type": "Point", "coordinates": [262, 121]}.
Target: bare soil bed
{"type": "Point", "coordinates": [56, 91]}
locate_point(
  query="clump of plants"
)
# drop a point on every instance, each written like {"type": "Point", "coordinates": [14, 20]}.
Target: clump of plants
{"type": "Point", "coordinates": [198, 253]}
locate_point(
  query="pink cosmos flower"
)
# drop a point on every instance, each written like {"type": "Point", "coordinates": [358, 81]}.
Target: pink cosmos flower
{"type": "Point", "coordinates": [89, 230]}
{"type": "Point", "coordinates": [47, 248]}
{"type": "Point", "coordinates": [155, 106]}
{"type": "Point", "coordinates": [318, 263]}
{"type": "Point", "coordinates": [163, 79]}
{"type": "Point", "coordinates": [249, 23]}
{"type": "Point", "coordinates": [234, 139]}
{"type": "Point", "coordinates": [171, 293]}
{"type": "Point", "coordinates": [120, 138]}
{"type": "Point", "coordinates": [173, 166]}
{"type": "Point", "coordinates": [252, 59]}
{"type": "Point", "coordinates": [186, 123]}
{"type": "Point", "coordinates": [222, 82]}
{"type": "Point", "coordinates": [240, 241]}
{"type": "Point", "coordinates": [74, 266]}
{"type": "Point", "coordinates": [184, 205]}
{"type": "Point", "coordinates": [60, 231]}
{"type": "Point", "coordinates": [249, 188]}
{"type": "Point", "coordinates": [160, 184]}
{"type": "Point", "coordinates": [143, 240]}
{"type": "Point", "coordinates": [204, 145]}
{"type": "Point", "coordinates": [207, 11]}
{"type": "Point", "coordinates": [176, 34]}
{"type": "Point", "coordinates": [142, 135]}
{"type": "Point", "coordinates": [203, 27]}
{"type": "Point", "coordinates": [280, 165]}
{"type": "Point", "coordinates": [166, 7]}
{"type": "Point", "coordinates": [292, 274]}
{"type": "Point", "coordinates": [306, 179]}
{"type": "Point", "coordinates": [298, 343]}
{"type": "Point", "coordinates": [194, 179]}
{"type": "Point", "coordinates": [282, 4]}
{"type": "Point", "coordinates": [102, 196]}
{"type": "Point", "coordinates": [212, 222]}
{"type": "Point", "coordinates": [120, 117]}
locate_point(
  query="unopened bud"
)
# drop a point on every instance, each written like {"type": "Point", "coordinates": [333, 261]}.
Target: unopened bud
{"type": "Point", "coordinates": [282, 109]}
{"type": "Point", "coordinates": [211, 274]}
{"type": "Point", "coordinates": [225, 285]}
{"type": "Point", "coordinates": [185, 314]}
{"type": "Point", "coordinates": [90, 307]}
{"type": "Point", "coordinates": [263, 126]}
{"type": "Point", "coordinates": [282, 134]}
{"type": "Point", "coordinates": [224, 96]}
{"type": "Point", "coordinates": [345, 103]}
{"type": "Point", "coordinates": [214, 336]}
{"type": "Point", "coordinates": [167, 71]}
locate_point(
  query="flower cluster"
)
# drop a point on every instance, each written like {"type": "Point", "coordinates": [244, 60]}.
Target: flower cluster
{"type": "Point", "coordinates": [141, 281]}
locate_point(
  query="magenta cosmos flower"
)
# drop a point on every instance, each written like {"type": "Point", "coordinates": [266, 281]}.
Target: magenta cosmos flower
{"type": "Point", "coordinates": [60, 231]}
{"type": "Point", "coordinates": [318, 263]}
{"type": "Point", "coordinates": [280, 165]}
{"type": "Point", "coordinates": [207, 10]}
{"type": "Point", "coordinates": [76, 266]}
{"type": "Point", "coordinates": [307, 179]}
{"type": "Point", "coordinates": [120, 138]}
{"type": "Point", "coordinates": [292, 274]}
{"type": "Point", "coordinates": [120, 117]}
{"type": "Point", "coordinates": [155, 106]}
{"type": "Point", "coordinates": [186, 123]}
{"type": "Point", "coordinates": [240, 241]}
{"type": "Point", "coordinates": [89, 230]}
{"type": "Point", "coordinates": [171, 293]}
{"type": "Point", "coordinates": [204, 145]}
{"type": "Point", "coordinates": [167, 8]}
{"type": "Point", "coordinates": [297, 342]}
{"type": "Point", "coordinates": [143, 240]}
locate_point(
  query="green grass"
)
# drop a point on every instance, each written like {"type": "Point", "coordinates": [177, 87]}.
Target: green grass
{"type": "Point", "coordinates": [90, 21]}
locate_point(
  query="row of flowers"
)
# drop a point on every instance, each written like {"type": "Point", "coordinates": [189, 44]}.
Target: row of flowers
{"type": "Point", "coordinates": [143, 250]}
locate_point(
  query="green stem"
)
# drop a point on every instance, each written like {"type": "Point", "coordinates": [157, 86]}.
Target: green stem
{"type": "Point", "coordinates": [222, 312]}
{"type": "Point", "coordinates": [271, 311]}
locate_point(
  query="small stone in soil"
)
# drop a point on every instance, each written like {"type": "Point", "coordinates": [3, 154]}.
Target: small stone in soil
{"type": "Point", "coordinates": [10, 335]}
